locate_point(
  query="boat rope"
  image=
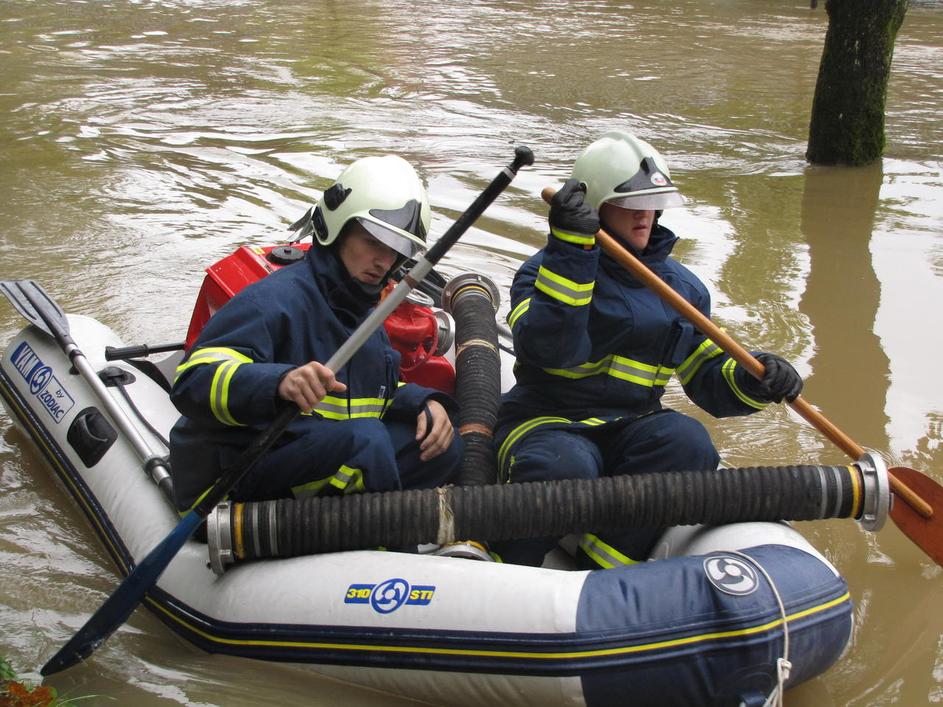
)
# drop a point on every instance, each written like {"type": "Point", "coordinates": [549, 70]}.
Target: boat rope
{"type": "Point", "coordinates": [783, 666]}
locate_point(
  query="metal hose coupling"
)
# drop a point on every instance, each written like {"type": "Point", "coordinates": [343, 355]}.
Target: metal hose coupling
{"type": "Point", "coordinates": [877, 492]}
{"type": "Point", "coordinates": [292, 527]}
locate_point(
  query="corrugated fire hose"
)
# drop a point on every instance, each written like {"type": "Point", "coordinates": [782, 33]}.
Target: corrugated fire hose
{"type": "Point", "coordinates": [289, 527]}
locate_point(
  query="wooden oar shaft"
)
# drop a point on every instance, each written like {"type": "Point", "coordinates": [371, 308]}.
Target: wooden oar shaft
{"type": "Point", "coordinates": [740, 355]}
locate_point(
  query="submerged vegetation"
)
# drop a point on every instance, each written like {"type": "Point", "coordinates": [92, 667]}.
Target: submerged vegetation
{"type": "Point", "coordinates": [15, 692]}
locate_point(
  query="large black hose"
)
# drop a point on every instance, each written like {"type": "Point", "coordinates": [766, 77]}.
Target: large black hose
{"type": "Point", "coordinates": [471, 300]}
{"type": "Point", "coordinates": [289, 527]}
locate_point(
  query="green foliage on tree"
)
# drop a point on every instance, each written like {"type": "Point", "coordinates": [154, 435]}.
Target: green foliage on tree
{"type": "Point", "coordinates": [847, 125]}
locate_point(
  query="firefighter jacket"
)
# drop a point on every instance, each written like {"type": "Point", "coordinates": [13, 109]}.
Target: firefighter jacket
{"type": "Point", "coordinates": [594, 345]}
{"type": "Point", "coordinates": [226, 387]}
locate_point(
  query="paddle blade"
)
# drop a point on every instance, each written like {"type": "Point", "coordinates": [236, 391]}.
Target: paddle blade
{"type": "Point", "coordinates": [125, 599]}
{"type": "Point", "coordinates": [927, 533]}
{"type": "Point", "coordinates": [34, 304]}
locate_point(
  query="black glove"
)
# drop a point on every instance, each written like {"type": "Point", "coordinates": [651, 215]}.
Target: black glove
{"type": "Point", "coordinates": [780, 380]}
{"type": "Point", "coordinates": [571, 219]}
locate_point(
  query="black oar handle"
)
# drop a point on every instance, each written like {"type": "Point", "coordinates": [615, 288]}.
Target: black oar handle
{"type": "Point", "coordinates": [122, 353]}
{"type": "Point", "coordinates": [522, 157]}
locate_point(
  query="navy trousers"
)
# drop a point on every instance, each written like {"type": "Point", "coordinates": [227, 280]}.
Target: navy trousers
{"type": "Point", "coordinates": [363, 454]}
{"type": "Point", "coordinates": [662, 441]}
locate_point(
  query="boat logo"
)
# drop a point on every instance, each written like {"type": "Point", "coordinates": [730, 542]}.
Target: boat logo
{"type": "Point", "coordinates": [389, 595]}
{"type": "Point", "coordinates": [731, 575]}
{"type": "Point", "coordinates": [42, 383]}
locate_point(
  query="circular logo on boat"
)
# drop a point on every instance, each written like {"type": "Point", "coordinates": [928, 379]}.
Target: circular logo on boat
{"type": "Point", "coordinates": [39, 379]}
{"type": "Point", "coordinates": [731, 575]}
{"type": "Point", "coordinates": [388, 596]}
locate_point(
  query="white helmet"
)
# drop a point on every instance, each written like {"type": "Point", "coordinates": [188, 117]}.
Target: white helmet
{"type": "Point", "coordinates": [621, 169]}
{"type": "Point", "coordinates": [384, 194]}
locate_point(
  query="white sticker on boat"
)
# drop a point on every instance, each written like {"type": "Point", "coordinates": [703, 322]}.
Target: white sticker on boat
{"type": "Point", "coordinates": [389, 595]}
{"type": "Point", "coordinates": [731, 575]}
{"type": "Point", "coordinates": [42, 383]}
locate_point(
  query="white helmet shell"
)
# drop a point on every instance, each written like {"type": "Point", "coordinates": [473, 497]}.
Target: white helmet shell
{"type": "Point", "coordinates": [623, 170]}
{"type": "Point", "coordinates": [386, 196]}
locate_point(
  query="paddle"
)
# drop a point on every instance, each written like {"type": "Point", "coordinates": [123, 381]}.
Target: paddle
{"type": "Point", "coordinates": [916, 521]}
{"type": "Point", "coordinates": [118, 607]}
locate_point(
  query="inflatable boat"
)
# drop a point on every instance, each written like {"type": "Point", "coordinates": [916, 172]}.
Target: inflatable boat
{"type": "Point", "coordinates": [728, 613]}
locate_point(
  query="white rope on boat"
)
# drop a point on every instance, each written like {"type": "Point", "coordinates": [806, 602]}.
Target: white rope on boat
{"type": "Point", "coordinates": [783, 666]}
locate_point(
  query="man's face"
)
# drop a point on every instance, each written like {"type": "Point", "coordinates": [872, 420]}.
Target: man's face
{"type": "Point", "coordinates": [366, 259]}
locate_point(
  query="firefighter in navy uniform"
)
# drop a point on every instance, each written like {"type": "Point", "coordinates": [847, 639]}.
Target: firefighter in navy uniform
{"type": "Point", "coordinates": [595, 349]}
{"type": "Point", "coordinates": [360, 428]}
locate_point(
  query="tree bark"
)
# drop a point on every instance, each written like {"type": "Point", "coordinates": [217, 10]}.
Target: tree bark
{"type": "Point", "coordinates": [847, 125]}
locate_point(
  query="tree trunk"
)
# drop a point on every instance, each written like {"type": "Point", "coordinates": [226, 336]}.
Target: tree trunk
{"type": "Point", "coordinates": [847, 125]}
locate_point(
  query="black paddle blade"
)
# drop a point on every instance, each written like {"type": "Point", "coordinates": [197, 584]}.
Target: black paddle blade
{"type": "Point", "coordinates": [125, 599]}
{"type": "Point", "coordinates": [28, 298]}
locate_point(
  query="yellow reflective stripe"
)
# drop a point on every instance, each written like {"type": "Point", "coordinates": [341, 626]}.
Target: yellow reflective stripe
{"type": "Point", "coordinates": [528, 425]}
{"type": "Point", "coordinates": [627, 369]}
{"type": "Point", "coordinates": [583, 370]}
{"type": "Point", "coordinates": [211, 354]}
{"type": "Point", "coordinates": [219, 392]}
{"type": "Point", "coordinates": [517, 312]}
{"type": "Point", "coordinates": [577, 238]}
{"type": "Point", "coordinates": [706, 351]}
{"type": "Point", "coordinates": [346, 479]}
{"type": "Point", "coordinates": [728, 369]}
{"type": "Point", "coordinates": [198, 499]}
{"type": "Point", "coordinates": [563, 289]}
{"type": "Point", "coordinates": [336, 408]}
{"type": "Point", "coordinates": [638, 372]}
{"type": "Point", "coordinates": [604, 554]}
{"type": "Point", "coordinates": [312, 488]}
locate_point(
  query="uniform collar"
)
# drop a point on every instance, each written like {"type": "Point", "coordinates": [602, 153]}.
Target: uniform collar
{"type": "Point", "coordinates": [349, 300]}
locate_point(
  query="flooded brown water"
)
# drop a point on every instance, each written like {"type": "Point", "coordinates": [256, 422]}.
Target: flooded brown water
{"type": "Point", "coordinates": [144, 139]}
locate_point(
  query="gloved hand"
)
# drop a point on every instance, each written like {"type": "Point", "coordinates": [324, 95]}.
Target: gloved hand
{"type": "Point", "coordinates": [780, 380]}
{"type": "Point", "coordinates": [571, 219]}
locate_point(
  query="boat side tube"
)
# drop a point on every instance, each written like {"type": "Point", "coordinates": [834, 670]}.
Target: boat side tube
{"type": "Point", "coordinates": [290, 527]}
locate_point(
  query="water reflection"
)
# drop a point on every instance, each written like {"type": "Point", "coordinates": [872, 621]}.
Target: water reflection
{"type": "Point", "coordinates": [841, 298]}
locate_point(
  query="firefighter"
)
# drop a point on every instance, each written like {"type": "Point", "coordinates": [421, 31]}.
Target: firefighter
{"type": "Point", "coordinates": [595, 349]}
{"type": "Point", "coordinates": [359, 429]}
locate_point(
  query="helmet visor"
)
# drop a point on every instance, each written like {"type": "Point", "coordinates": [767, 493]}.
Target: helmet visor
{"type": "Point", "coordinates": [387, 236]}
{"type": "Point", "coordinates": [649, 202]}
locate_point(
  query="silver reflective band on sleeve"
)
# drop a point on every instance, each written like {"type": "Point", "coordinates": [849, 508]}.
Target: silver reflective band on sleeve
{"type": "Point", "coordinates": [337, 408]}
{"type": "Point", "coordinates": [576, 294]}
{"type": "Point", "coordinates": [621, 367]}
